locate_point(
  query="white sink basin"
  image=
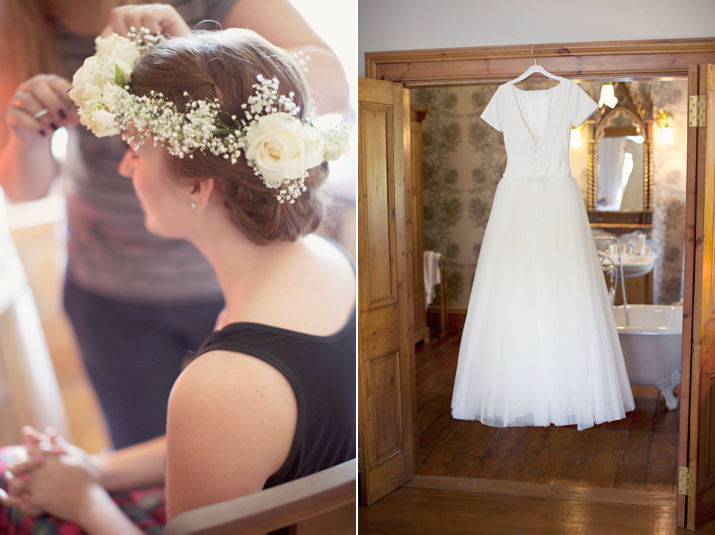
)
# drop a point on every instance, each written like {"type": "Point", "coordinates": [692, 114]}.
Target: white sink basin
{"type": "Point", "coordinates": [634, 265]}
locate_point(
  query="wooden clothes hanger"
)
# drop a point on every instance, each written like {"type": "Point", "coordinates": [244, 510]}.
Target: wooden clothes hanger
{"type": "Point", "coordinates": [535, 68]}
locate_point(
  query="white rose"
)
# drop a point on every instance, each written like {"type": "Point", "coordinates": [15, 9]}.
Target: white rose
{"type": "Point", "coordinates": [335, 148]}
{"type": "Point", "coordinates": [282, 148]}
{"type": "Point", "coordinates": [120, 51]}
{"type": "Point", "coordinates": [98, 110]}
{"type": "Point", "coordinates": [93, 70]}
{"type": "Point", "coordinates": [103, 123]}
{"type": "Point", "coordinates": [314, 146]}
{"type": "Point", "coordinates": [114, 96]}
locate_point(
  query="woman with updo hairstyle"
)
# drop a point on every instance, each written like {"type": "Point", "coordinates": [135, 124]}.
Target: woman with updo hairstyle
{"type": "Point", "coordinates": [270, 396]}
{"type": "Point", "coordinates": [224, 66]}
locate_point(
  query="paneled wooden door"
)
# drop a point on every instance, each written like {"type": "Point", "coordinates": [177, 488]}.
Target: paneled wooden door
{"type": "Point", "coordinates": [699, 427]}
{"type": "Point", "coordinates": [386, 403]}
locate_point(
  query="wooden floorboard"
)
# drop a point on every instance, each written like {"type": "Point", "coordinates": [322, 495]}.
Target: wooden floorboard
{"type": "Point", "coordinates": [490, 464]}
{"type": "Point", "coordinates": [584, 443]}
{"type": "Point", "coordinates": [517, 468]}
{"type": "Point", "coordinates": [662, 450]}
{"type": "Point", "coordinates": [526, 510]}
{"type": "Point", "coordinates": [462, 464]}
{"type": "Point", "coordinates": [437, 430]}
{"type": "Point", "coordinates": [480, 439]}
{"type": "Point", "coordinates": [637, 447]}
{"type": "Point", "coordinates": [660, 478]}
{"type": "Point", "coordinates": [490, 486]}
{"type": "Point", "coordinates": [557, 445]}
{"type": "Point", "coordinates": [635, 453]}
{"type": "Point", "coordinates": [631, 476]}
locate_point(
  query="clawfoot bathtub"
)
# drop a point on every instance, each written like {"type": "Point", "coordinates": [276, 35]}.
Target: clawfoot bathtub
{"type": "Point", "coordinates": [651, 344]}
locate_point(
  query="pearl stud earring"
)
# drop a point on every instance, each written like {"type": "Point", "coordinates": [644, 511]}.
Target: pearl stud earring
{"type": "Point", "coordinates": [194, 205]}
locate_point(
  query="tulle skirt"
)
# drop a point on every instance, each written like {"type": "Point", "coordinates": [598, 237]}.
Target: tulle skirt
{"type": "Point", "coordinates": [540, 344]}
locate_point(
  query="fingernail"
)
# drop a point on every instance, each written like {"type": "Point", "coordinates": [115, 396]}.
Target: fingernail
{"type": "Point", "coordinates": [38, 458]}
{"type": "Point", "coordinates": [56, 449]}
{"type": "Point", "coordinates": [3, 494]}
{"type": "Point", "coordinates": [42, 133]}
{"type": "Point", "coordinates": [54, 126]}
{"type": "Point", "coordinates": [62, 113]}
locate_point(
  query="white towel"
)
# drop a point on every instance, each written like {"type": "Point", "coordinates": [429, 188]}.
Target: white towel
{"type": "Point", "coordinates": [431, 274]}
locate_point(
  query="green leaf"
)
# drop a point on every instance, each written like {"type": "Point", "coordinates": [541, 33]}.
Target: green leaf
{"type": "Point", "coordinates": [119, 76]}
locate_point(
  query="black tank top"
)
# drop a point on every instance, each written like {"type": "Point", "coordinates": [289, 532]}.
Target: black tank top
{"type": "Point", "coordinates": [321, 370]}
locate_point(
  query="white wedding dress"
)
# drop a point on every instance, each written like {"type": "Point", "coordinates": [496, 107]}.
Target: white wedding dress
{"type": "Point", "coordinates": [540, 344]}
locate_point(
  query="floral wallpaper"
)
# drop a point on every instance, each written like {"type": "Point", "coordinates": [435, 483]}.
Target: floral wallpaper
{"type": "Point", "coordinates": [442, 196]}
{"type": "Point", "coordinates": [464, 158]}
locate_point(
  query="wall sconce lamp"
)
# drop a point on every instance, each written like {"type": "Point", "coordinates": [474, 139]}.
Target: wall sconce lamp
{"type": "Point", "coordinates": [576, 141]}
{"type": "Point", "coordinates": [663, 122]}
{"type": "Point", "coordinates": [607, 96]}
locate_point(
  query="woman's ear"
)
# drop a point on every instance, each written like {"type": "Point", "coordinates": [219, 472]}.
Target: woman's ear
{"type": "Point", "coordinates": [200, 193]}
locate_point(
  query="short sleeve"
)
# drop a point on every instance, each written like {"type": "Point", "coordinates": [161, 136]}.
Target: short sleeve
{"type": "Point", "coordinates": [494, 111]}
{"type": "Point", "coordinates": [582, 106]}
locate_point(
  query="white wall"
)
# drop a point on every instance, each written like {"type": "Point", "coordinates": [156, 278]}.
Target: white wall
{"type": "Point", "coordinates": [416, 24]}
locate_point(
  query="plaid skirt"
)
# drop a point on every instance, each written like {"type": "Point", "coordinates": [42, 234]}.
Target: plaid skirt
{"type": "Point", "coordinates": [145, 507]}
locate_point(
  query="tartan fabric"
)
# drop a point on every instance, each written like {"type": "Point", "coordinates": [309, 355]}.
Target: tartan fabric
{"type": "Point", "coordinates": [145, 507]}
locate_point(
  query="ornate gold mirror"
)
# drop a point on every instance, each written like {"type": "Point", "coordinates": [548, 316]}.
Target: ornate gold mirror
{"type": "Point", "coordinates": [620, 164]}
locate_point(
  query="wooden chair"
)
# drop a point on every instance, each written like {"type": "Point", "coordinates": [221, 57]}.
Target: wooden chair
{"type": "Point", "coordinates": [322, 503]}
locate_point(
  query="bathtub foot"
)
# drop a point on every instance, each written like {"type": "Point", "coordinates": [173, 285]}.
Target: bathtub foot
{"type": "Point", "coordinates": [667, 385]}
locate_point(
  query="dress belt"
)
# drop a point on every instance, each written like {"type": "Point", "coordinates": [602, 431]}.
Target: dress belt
{"type": "Point", "coordinates": [535, 178]}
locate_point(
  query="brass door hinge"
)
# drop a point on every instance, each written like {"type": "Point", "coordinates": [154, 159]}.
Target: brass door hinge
{"type": "Point", "coordinates": [361, 461]}
{"type": "Point", "coordinates": [696, 110]}
{"type": "Point", "coordinates": [686, 481]}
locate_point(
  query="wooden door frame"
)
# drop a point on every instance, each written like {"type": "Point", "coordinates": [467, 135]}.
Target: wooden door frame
{"type": "Point", "coordinates": [622, 60]}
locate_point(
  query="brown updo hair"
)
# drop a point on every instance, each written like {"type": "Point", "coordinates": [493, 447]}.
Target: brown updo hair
{"type": "Point", "coordinates": [223, 65]}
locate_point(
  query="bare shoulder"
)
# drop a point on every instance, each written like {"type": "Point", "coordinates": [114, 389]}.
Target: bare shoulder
{"type": "Point", "coordinates": [231, 422]}
{"type": "Point", "coordinates": [334, 258]}
{"type": "Point", "coordinates": [330, 283]}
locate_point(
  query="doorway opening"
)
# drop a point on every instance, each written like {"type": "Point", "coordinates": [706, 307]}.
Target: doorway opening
{"type": "Point", "coordinates": [462, 161]}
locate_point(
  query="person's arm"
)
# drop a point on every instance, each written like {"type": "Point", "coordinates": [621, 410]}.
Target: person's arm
{"type": "Point", "coordinates": [26, 171]}
{"type": "Point", "coordinates": [280, 23]}
{"type": "Point", "coordinates": [66, 486]}
{"type": "Point", "coordinates": [142, 465]}
{"type": "Point", "coordinates": [139, 466]}
{"type": "Point", "coordinates": [133, 467]}
{"type": "Point", "coordinates": [100, 515]}
{"type": "Point", "coordinates": [27, 167]}
{"type": "Point", "coordinates": [231, 423]}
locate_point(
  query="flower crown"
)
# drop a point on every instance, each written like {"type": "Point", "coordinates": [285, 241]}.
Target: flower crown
{"type": "Point", "coordinates": [278, 145]}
